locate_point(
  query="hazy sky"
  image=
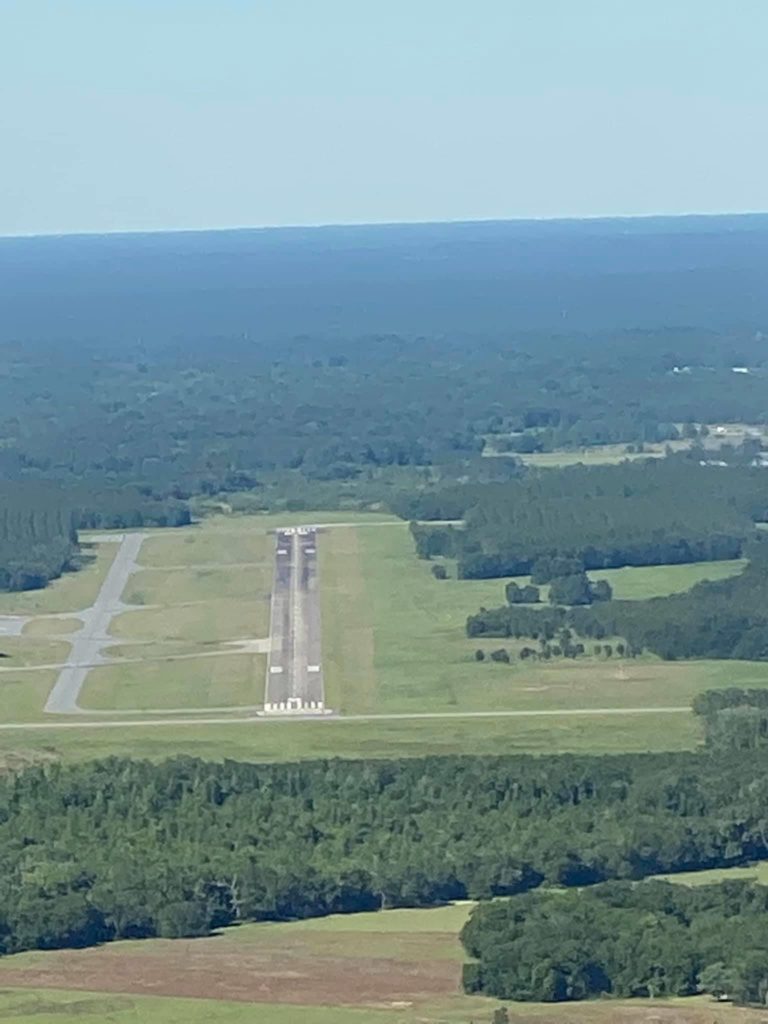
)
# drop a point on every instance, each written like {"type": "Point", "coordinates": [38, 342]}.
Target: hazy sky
{"type": "Point", "coordinates": [134, 114]}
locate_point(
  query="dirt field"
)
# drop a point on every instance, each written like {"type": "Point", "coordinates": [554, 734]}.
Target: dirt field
{"type": "Point", "coordinates": [390, 968]}
{"type": "Point", "coordinates": [286, 970]}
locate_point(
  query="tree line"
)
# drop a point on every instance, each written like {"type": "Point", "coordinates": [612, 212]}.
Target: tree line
{"type": "Point", "coordinates": [38, 537]}
{"type": "Point", "coordinates": [652, 940]}
{"type": "Point", "coordinates": [714, 619]}
{"type": "Point", "coordinates": [128, 849]}
{"type": "Point", "coordinates": [648, 512]}
{"type": "Point", "coordinates": [39, 525]}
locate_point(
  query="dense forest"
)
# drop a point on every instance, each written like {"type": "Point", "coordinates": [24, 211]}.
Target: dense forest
{"type": "Point", "coordinates": [38, 537]}
{"type": "Point", "coordinates": [129, 849]}
{"type": "Point", "coordinates": [380, 366]}
{"type": "Point", "coordinates": [734, 718]}
{"type": "Point", "coordinates": [39, 524]}
{"type": "Point", "coordinates": [650, 940]}
{"type": "Point", "coordinates": [648, 512]}
{"type": "Point", "coordinates": [190, 417]}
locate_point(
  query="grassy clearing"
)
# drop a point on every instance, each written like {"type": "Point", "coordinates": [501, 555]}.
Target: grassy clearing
{"type": "Point", "coordinates": [643, 582]}
{"type": "Point", "coordinates": [200, 623]}
{"type": "Point", "coordinates": [199, 585]}
{"type": "Point", "coordinates": [348, 672]}
{"type": "Point", "coordinates": [217, 681]}
{"type": "Point", "coordinates": [752, 873]}
{"type": "Point", "coordinates": [71, 593]}
{"type": "Point", "coordinates": [423, 661]}
{"type": "Point", "coordinates": [51, 627]}
{"type": "Point", "coordinates": [23, 695]}
{"type": "Point", "coordinates": [215, 541]}
{"type": "Point", "coordinates": [295, 741]}
{"type": "Point", "coordinates": [639, 583]}
{"type": "Point", "coordinates": [25, 650]}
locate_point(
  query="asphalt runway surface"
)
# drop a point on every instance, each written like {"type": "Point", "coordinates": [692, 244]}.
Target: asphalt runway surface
{"type": "Point", "coordinates": [294, 670]}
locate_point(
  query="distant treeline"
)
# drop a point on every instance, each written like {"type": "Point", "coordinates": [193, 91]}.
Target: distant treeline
{"type": "Point", "coordinates": [649, 512]}
{"type": "Point", "coordinates": [126, 849]}
{"type": "Point", "coordinates": [39, 524]}
{"type": "Point", "coordinates": [652, 940]}
{"type": "Point", "coordinates": [189, 416]}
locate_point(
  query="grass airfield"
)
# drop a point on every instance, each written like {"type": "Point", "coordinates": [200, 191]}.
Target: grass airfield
{"type": "Point", "coordinates": [194, 644]}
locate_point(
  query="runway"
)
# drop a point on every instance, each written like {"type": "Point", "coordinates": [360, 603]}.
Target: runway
{"type": "Point", "coordinates": [294, 681]}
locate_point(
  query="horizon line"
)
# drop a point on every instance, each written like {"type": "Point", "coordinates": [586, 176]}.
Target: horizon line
{"type": "Point", "coordinates": [331, 225]}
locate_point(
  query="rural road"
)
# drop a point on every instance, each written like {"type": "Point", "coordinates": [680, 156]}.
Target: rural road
{"type": "Point", "coordinates": [89, 641]}
{"type": "Point", "coordinates": [294, 680]}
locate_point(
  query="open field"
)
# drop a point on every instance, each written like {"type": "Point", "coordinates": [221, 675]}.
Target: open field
{"type": "Point", "coordinates": [420, 659]}
{"type": "Point", "coordinates": [221, 680]}
{"type": "Point", "coordinates": [23, 694]}
{"type": "Point", "coordinates": [638, 583]}
{"type": "Point", "coordinates": [203, 622]}
{"type": "Point", "coordinates": [643, 582]}
{"type": "Point", "coordinates": [751, 873]}
{"type": "Point", "coordinates": [393, 967]}
{"type": "Point", "coordinates": [192, 585]}
{"type": "Point", "coordinates": [17, 651]}
{"type": "Point", "coordinates": [610, 454]}
{"type": "Point", "coordinates": [302, 740]}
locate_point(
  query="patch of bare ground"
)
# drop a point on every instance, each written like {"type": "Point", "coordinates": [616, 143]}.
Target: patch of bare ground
{"type": "Point", "coordinates": [217, 969]}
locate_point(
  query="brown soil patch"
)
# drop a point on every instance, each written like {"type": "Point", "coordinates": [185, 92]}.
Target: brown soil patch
{"type": "Point", "coordinates": [217, 969]}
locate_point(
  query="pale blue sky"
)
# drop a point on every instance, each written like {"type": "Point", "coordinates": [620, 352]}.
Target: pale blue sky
{"type": "Point", "coordinates": [146, 114]}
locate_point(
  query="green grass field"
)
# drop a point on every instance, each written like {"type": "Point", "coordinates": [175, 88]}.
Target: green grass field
{"type": "Point", "coordinates": [29, 649]}
{"type": "Point", "coordinates": [757, 872]}
{"type": "Point", "coordinates": [410, 958]}
{"type": "Point", "coordinates": [23, 694]}
{"type": "Point", "coordinates": [211, 681]}
{"type": "Point", "coordinates": [410, 652]}
{"type": "Point", "coordinates": [292, 741]}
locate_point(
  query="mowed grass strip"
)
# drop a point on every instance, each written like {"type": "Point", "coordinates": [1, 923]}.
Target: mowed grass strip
{"type": "Point", "coordinates": [23, 695]}
{"type": "Point", "coordinates": [51, 627]}
{"type": "Point", "coordinates": [216, 681]}
{"type": "Point", "coordinates": [348, 672]}
{"type": "Point", "coordinates": [219, 540]}
{"type": "Point", "coordinates": [71, 593]}
{"type": "Point", "coordinates": [193, 585]}
{"type": "Point", "coordinates": [268, 741]}
{"type": "Point", "coordinates": [200, 623]}
{"type": "Point", "coordinates": [23, 650]}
